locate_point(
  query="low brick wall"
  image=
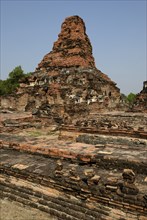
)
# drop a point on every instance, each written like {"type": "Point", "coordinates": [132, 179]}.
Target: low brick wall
{"type": "Point", "coordinates": [113, 123]}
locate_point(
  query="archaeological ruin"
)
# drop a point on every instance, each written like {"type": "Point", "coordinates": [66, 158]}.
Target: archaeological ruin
{"type": "Point", "coordinates": [140, 103]}
{"type": "Point", "coordinates": [70, 146]}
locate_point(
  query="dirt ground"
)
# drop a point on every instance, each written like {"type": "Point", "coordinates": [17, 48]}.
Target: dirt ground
{"type": "Point", "coordinates": [16, 211]}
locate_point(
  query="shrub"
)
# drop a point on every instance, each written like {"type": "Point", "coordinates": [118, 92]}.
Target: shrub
{"type": "Point", "coordinates": [10, 85]}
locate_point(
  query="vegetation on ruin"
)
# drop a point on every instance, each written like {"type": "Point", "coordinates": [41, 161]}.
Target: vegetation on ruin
{"type": "Point", "coordinates": [35, 133]}
{"type": "Point", "coordinates": [12, 83]}
{"type": "Point", "coordinates": [131, 97]}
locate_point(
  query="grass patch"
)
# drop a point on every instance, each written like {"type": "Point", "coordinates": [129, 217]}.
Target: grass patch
{"type": "Point", "coordinates": [35, 133]}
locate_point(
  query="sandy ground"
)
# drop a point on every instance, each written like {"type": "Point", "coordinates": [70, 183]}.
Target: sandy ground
{"type": "Point", "coordinates": [16, 211]}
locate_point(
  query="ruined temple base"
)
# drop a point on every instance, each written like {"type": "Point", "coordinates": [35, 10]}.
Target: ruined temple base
{"type": "Point", "coordinates": [75, 174]}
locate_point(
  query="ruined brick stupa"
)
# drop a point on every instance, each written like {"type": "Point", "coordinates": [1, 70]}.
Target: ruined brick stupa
{"type": "Point", "coordinates": [72, 49]}
{"type": "Point", "coordinates": [140, 103]}
{"type": "Point", "coordinates": [66, 82]}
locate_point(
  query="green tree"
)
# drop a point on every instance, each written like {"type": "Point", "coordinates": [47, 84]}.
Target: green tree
{"type": "Point", "coordinates": [16, 74]}
{"type": "Point", "coordinates": [131, 98]}
{"type": "Point", "coordinates": [9, 85]}
{"type": "Point", "coordinates": [2, 87]}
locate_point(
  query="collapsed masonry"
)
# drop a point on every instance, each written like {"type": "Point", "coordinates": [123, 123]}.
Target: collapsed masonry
{"type": "Point", "coordinates": [66, 82]}
{"type": "Point", "coordinates": [97, 177]}
{"type": "Point", "coordinates": [140, 103]}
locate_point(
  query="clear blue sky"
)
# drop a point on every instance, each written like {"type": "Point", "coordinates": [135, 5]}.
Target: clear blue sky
{"type": "Point", "coordinates": [117, 31]}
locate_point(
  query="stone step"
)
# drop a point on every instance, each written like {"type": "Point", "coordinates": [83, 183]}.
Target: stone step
{"type": "Point", "coordinates": [54, 212]}
{"type": "Point", "coordinates": [70, 209]}
{"type": "Point", "coordinates": [62, 201]}
{"type": "Point", "coordinates": [61, 205]}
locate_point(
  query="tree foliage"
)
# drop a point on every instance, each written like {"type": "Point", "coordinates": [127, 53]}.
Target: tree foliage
{"type": "Point", "coordinates": [10, 85]}
{"type": "Point", "coordinates": [16, 74]}
{"type": "Point", "coordinates": [131, 98]}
